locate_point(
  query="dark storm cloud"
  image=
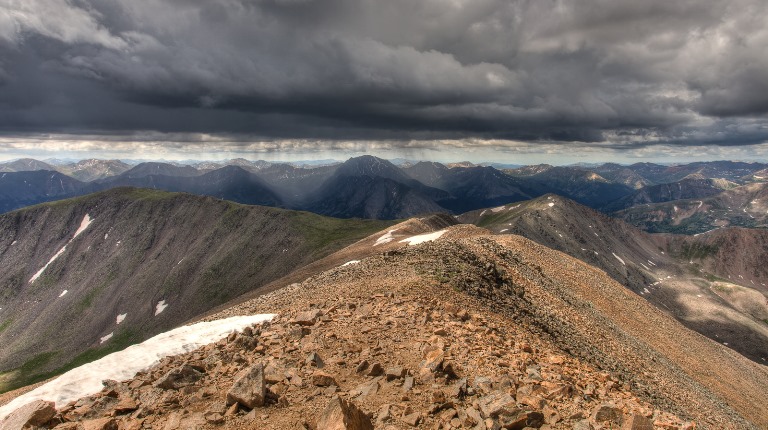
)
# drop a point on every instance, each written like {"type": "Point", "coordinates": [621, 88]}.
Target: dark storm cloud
{"type": "Point", "coordinates": [627, 72]}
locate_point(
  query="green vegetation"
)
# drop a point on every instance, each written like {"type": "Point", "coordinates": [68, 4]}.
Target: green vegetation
{"type": "Point", "coordinates": [698, 251]}
{"type": "Point", "coordinates": [87, 300]}
{"type": "Point", "coordinates": [28, 373]}
{"type": "Point", "coordinates": [320, 231]}
{"type": "Point", "coordinates": [5, 324]}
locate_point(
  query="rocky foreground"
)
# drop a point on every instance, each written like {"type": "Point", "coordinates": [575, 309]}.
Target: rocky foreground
{"type": "Point", "coordinates": [444, 335]}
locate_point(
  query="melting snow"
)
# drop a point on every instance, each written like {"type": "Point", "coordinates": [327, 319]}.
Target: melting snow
{"type": "Point", "coordinates": [120, 318]}
{"type": "Point", "coordinates": [503, 230]}
{"type": "Point", "coordinates": [646, 267]}
{"type": "Point", "coordinates": [160, 307]}
{"type": "Point", "coordinates": [63, 293]}
{"type": "Point", "coordinates": [86, 380]}
{"type": "Point", "coordinates": [619, 258]}
{"type": "Point", "coordinates": [386, 238]}
{"type": "Point", "coordinates": [13, 243]}
{"type": "Point", "coordinates": [498, 209]}
{"type": "Point", "coordinates": [107, 337]}
{"type": "Point", "coordinates": [550, 204]}
{"type": "Point", "coordinates": [415, 240]}
{"type": "Point", "coordinates": [87, 220]}
{"type": "Point", "coordinates": [483, 212]}
{"type": "Point", "coordinates": [350, 262]}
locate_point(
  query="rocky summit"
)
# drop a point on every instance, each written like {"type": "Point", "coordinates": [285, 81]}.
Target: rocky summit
{"type": "Point", "coordinates": [470, 331]}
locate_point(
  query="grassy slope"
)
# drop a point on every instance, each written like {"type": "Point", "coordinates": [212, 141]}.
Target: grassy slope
{"type": "Point", "coordinates": [231, 248]}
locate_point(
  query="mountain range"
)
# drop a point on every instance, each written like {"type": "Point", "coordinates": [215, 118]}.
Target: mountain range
{"type": "Point", "coordinates": [370, 187]}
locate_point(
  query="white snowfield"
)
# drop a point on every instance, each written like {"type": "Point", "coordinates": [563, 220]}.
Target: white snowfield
{"type": "Point", "coordinates": [122, 365]}
{"type": "Point", "coordinates": [87, 220]}
{"type": "Point", "coordinates": [386, 238]}
{"type": "Point", "coordinates": [428, 237]}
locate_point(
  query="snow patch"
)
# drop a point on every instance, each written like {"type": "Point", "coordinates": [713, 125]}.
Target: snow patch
{"type": "Point", "coordinates": [106, 338]}
{"type": "Point", "coordinates": [120, 366]}
{"type": "Point", "coordinates": [550, 204]}
{"type": "Point", "coordinates": [13, 243]}
{"type": "Point", "coordinates": [120, 318]}
{"type": "Point", "coordinates": [503, 230]}
{"type": "Point", "coordinates": [63, 293]}
{"type": "Point", "coordinates": [350, 263]}
{"type": "Point", "coordinates": [386, 238]}
{"type": "Point", "coordinates": [483, 212]}
{"type": "Point", "coordinates": [619, 258]}
{"type": "Point", "coordinates": [498, 209]}
{"type": "Point", "coordinates": [428, 237]}
{"type": "Point", "coordinates": [160, 307]}
{"type": "Point", "coordinates": [87, 220]}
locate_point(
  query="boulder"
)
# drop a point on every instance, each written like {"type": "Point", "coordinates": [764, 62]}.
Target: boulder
{"type": "Point", "coordinates": [33, 414]}
{"type": "Point", "coordinates": [179, 377]}
{"type": "Point", "coordinates": [343, 415]}
{"type": "Point", "coordinates": [308, 318]}
{"type": "Point", "coordinates": [100, 424]}
{"type": "Point", "coordinates": [637, 422]}
{"type": "Point", "coordinates": [322, 379]}
{"type": "Point", "coordinates": [249, 389]}
{"type": "Point", "coordinates": [497, 403]}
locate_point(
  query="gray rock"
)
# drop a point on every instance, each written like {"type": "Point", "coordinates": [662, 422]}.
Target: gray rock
{"type": "Point", "coordinates": [179, 377]}
{"type": "Point", "coordinates": [249, 390]}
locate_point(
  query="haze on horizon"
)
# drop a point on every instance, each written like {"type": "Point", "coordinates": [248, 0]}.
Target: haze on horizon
{"type": "Point", "coordinates": [507, 81]}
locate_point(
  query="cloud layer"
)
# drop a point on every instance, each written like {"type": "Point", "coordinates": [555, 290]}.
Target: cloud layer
{"type": "Point", "coordinates": [624, 73]}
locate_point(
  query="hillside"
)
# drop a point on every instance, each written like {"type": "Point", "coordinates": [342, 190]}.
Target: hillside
{"type": "Point", "coordinates": [473, 187]}
{"type": "Point", "coordinates": [90, 275]}
{"type": "Point", "coordinates": [666, 270]}
{"type": "Point", "coordinates": [25, 188]}
{"type": "Point", "coordinates": [692, 187]}
{"type": "Point", "coordinates": [467, 331]}
{"type": "Point", "coordinates": [744, 206]}
{"type": "Point", "coordinates": [229, 183]}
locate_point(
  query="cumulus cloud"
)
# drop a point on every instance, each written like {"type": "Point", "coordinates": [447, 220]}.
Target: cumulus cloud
{"type": "Point", "coordinates": [602, 72]}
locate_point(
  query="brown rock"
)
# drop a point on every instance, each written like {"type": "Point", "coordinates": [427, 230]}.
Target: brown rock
{"type": "Point", "coordinates": [497, 403]}
{"type": "Point", "coordinates": [179, 377]}
{"type": "Point", "coordinates": [125, 405]}
{"type": "Point", "coordinates": [322, 379]}
{"type": "Point", "coordinates": [313, 359]}
{"type": "Point", "coordinates": [433, 360]}
{"type": "Point", "coordinates": [249, 389]}
{"type": "Point", "coordinates": [343, 415]}
{"type": "Point", "coordinates": [34, 414]}
{"type": "Point", "coordinates": [637, 422]}
{"type": "Point", "coordinates": [375, 370]}
{"type": "Point", "coordinates": [412, 419]}
{"type": "Point", "coordinates": [308, 318]}
{"type": "Point", "coordinates": [583, 425]}
{"type": "Point", "coordinates": [395, 373]}
{"type": "Point", "coordinates": [607, 412]}
{"type": "Point", "coordinates": [214, 418]}
{"type": "Point", "coordinates": [100, 424]}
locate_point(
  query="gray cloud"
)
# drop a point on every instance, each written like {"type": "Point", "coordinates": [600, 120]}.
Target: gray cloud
{"type": "Point", "coordinates": [618, 72]}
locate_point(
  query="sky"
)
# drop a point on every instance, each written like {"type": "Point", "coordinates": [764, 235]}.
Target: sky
{"type": "Point", "coordinates": [448, 80]}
